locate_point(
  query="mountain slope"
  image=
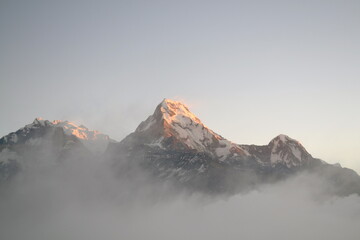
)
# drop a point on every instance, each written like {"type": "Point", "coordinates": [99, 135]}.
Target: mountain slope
{"type": "Point", "coordinates": [175, 145]}
{"type": "Point", "coordinates": [37, 144]}
{"type": "Point", "coordinates": [43, 143]}
{"type": "Point", "coordinates": [172, 127]}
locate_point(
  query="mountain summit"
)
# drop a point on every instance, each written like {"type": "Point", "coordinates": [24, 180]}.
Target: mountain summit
{"type": "Point", "coordinates": [282, 150]}
{"type": "Point", "coordinates": [173, 127]}
{"type": "Point", "coordinates": [95, 141]}
{"type": "Point", "coordinates": [43, 142]}
{"type": "Point", "coordinates": [288, 150]}
{"type": "Point", "coordinates": [173, 124]}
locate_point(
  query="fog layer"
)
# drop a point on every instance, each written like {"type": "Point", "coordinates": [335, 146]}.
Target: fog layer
{"type": "Point", "coordinates": [72, 201]}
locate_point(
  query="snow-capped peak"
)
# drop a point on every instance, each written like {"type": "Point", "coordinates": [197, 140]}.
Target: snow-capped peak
{"type": "Point", "coordinates": [94, 140]}
{"type": "Point", "coordinates": [173, 111]}
{"type": "Point", "coordinates": [283, 138]}
{"type": "Point", "coordinates": [287, 151]}
{"type": "Point", "coordinates": [173, 120]}
{"type": "Point", "coordinates": [70, 128]}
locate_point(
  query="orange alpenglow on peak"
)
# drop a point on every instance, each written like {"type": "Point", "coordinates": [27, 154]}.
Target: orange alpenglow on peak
{"type": "Point", "coordinates": [173, 110]}
{"type": "Point", "coordinates": [173, 114]}
{"type": "Point", "coordinates": [173, 121]}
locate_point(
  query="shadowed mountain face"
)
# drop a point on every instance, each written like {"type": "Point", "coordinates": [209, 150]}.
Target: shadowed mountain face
{"type": "Point", "coordinates": [175, 145]}
{"type": "Point", "coordinates": [172, 145]}
{"type": "Point", "coordinates": [45, 144]}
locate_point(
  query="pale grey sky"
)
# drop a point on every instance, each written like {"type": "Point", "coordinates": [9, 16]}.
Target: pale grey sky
{"type": "Point", "coordinates": [249, 69]}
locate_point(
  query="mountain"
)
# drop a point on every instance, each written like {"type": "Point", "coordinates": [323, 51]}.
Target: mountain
{"type": "Point", "coordinates": [173, 144]}
{"type": "Point", "coordinates": [174, 127]}
{"type": "Point", "coordinates": [44, 143]}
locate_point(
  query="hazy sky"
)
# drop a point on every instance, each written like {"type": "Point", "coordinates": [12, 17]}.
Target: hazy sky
{"type": "Point", "coordinates": [249, 69]}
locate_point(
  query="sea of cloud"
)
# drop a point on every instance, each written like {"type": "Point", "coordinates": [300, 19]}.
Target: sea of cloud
{"type": "Point", "coordinates": [72, 201]}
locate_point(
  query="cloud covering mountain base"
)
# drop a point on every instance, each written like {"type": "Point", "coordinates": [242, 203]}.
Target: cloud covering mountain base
{"type": "Point", "coordinates": [69, 202]}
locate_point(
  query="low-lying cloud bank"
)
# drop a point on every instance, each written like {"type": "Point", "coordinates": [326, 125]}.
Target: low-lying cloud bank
{"type": "Point", "coordinates": [73, 203]}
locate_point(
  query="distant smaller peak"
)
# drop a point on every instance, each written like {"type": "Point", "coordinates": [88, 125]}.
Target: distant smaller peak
{"type": "Point", "coordinates": [283, 138]}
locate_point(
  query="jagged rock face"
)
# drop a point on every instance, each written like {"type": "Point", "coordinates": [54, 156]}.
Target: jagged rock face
{"type": "Point", "coordinates": [290, 152]}
{"type": "Point", "coordinates": [173, 127]}
{"type": "Point", "coordinates": [282, 150]}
